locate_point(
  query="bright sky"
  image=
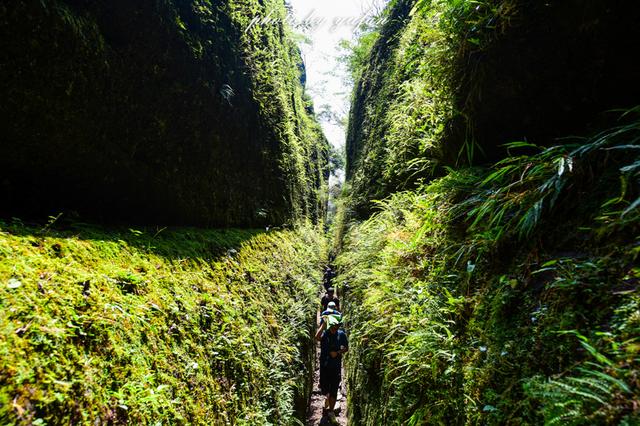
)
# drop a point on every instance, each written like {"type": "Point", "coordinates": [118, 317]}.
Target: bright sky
{"type": "Point", "coordinates": [328, 22]}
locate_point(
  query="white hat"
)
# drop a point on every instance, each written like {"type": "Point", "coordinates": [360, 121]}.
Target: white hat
{"type": "Point", "coordinates": [331, 305]}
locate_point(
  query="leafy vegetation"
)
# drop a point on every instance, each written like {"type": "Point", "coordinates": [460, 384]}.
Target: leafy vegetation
{"type": "Point", "coordinates": [355, 54]}
{"type": "Point", "coordinates": [494, 278]}
{"type": "Point", "coordinates": [156, 326]}
{"type": "Point", "coordinates": [504, 294]}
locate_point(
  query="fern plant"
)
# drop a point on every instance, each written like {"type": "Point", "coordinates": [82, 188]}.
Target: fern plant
{"type": "Point", "coordinates": [515, 195]}
{"type": "Point", "coordinates": [589, 394]}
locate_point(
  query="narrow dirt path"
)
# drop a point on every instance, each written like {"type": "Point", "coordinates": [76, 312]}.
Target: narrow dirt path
{"type": "Point", "coordinates": [314, 416]}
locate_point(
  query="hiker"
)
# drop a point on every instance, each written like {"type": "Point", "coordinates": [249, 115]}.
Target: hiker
{"type": "Point", "coordinates": [330, 297]}
{"type": "Point", "coordinates": [333, 343]}
{"type": "Point", "coordinates": [331, 310]}
{"type": "Point", "coordinates": [328, 276]}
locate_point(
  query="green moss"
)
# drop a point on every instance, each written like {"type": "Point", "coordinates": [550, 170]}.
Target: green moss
{"type": "Point", "coordinates": [155, 326]}
{"type": "Point", "coordinates": [403, 103]}
{"type": "Point", "coordinates": [275, 59]}
{"type": "Point", "coordinates": [212, 126]}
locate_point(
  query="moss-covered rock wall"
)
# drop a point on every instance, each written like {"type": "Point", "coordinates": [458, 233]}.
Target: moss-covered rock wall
{"type": "Point", "coordinates": [496, 280]}
{"type": "Point", "coordinates": [174, 112]}
{"type": "Point", "coordinates": [156, 326]}
{"type": "Point", "coordinates": [448, 83]}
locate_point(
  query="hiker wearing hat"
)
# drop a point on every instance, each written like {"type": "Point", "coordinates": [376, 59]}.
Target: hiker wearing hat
{"type": "Point", "coordinates": [333, 343]}
{"type": "Point", "coordinates": [331, 310]}
{"type": "Point", "coordinates": [330, 297]}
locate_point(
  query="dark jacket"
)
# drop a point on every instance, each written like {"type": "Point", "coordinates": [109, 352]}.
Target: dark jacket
{"type": "Point", "coordinates": [331, 343]}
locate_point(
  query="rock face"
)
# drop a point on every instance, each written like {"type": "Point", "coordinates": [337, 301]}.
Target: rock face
{"type": "Point", "coordinates": [180, 112]}
{"type": "Point", "coordinates": [449, 84]}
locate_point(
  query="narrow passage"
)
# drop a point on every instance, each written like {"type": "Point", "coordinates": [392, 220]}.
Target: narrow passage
{"type": "Point", "coordinates": [316, 415]}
